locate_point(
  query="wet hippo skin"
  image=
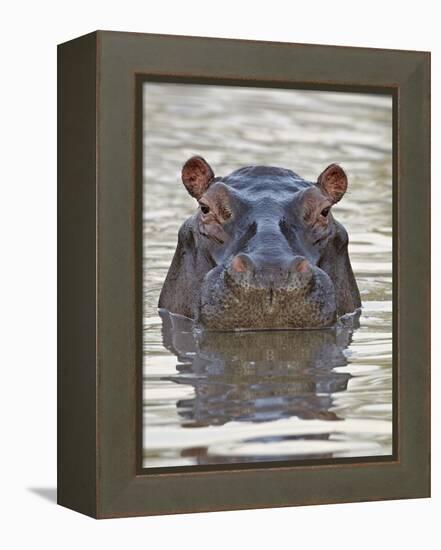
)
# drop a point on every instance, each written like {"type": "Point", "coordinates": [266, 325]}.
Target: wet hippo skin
{"type": "Point", "coordinates": [262, 251]}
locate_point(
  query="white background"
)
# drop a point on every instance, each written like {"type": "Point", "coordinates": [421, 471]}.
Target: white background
{"type": "Point", "coordinates": [29, 34]}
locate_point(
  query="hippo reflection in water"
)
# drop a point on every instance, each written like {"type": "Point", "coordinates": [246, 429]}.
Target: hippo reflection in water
{"type": "Point", "coordinates": [257, 376]}
{"type": "Point", "coordinates": [263, 251]}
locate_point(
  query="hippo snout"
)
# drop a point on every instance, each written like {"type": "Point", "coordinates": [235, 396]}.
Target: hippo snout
{"type": "Point", "coordinates": [294, 273]}
{"type": "Point", "coordinates": [247, 294]}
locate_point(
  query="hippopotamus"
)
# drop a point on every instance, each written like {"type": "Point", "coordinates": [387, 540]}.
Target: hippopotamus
{"type": "Point", "coordinates": [262, 251]}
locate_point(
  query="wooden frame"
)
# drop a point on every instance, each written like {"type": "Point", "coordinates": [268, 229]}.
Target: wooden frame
{"type": "Point", "coordinates": [99, 471]}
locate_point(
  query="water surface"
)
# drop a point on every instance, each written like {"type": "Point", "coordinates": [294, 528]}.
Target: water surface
{"type": "Point", "coordinates": [212, 398]}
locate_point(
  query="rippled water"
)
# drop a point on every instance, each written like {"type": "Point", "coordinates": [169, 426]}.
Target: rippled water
{"type": "Point", "coordinates": [240, 397]}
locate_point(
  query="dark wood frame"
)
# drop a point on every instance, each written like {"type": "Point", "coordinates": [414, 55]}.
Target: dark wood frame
{"type": "Point", "coordinates": [99, 470]}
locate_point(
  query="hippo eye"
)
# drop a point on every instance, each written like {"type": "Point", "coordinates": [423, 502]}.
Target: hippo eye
{"type": "Point", "coordinates": [204, 209]}
{"type": "Point", "coordinates": [325, 211]}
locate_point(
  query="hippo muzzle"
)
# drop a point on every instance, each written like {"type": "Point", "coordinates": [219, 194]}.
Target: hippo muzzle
{"type": "Point", "coordinates": [245, 296]}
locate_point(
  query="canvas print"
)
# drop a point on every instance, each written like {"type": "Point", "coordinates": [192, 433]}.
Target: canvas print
{"type": "Point", "coordinates": [267, 275]}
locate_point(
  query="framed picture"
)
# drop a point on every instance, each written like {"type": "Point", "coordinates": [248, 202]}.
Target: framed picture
{"type": "Point", "coordinates": [244, 268]}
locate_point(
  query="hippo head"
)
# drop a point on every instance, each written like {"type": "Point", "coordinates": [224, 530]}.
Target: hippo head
{"type": "Point", "coordinates": [263, 251]}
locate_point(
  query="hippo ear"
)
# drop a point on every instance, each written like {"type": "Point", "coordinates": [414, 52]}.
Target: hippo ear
{"type": "Point", "coordinates": [196, 176]}
{"type": "Point", "coordinates": [333, 182]}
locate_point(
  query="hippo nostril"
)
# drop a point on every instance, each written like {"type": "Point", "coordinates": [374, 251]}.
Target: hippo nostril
{"type": "Point", "coordinates": [242, 263]}
{"type": "Point", "coordinates": [303, 266]}
{"type": "Point", "coordinates": [300, 265]}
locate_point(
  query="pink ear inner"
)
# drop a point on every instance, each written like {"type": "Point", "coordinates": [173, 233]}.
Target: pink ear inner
{"type": "Point", "coordinates": [196, 176]}
{"type": "Point", "coordinates": [333, 182]}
